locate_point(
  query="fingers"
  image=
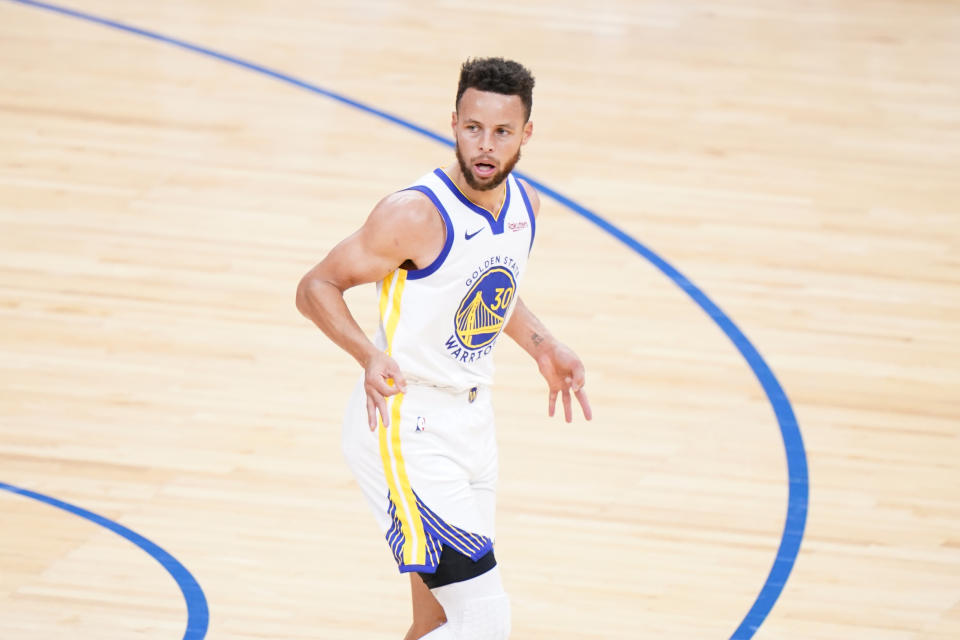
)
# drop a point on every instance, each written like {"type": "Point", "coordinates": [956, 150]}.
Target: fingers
{"type": "Point", "coordinates": [398, 380]}
{"type": "Point", "coordinates": [383, 379]}
{"type": "Point", "coordinates": [375, 403]}
{"type": "Point", "coordinates": [578, 379]}
{"type": "Point", "coordinates": [577, 383]}
{"type": "Point", "coordinates": [584, 404]}
{"type": "Point", "coordinates": [384, 385]}
{"type": "Point", "coordinates": [392, 383]}
{"type": "Point", "coordinates": [394, 378]}
{"type": "Point", "coordinates": [371, 414]}
{"type": "Point", "coordinates": [383, 374]}
{"type": "Point", "coordinates": [382, 408]}
{"type": "Point", "coordinates": [570, 384]}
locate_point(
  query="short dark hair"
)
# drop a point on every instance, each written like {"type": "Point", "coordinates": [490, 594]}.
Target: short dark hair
{"type": "Point", "coordinates": [499, 76]}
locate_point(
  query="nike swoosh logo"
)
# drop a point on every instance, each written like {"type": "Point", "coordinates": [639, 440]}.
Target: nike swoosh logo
{"type": "Point", "coordinates": [467, 236]}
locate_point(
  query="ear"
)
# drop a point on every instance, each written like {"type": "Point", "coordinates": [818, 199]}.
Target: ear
{"type": "Point", "coordinates": [527, 132]}
{"type": "Point", "coordinates": [453, 123]}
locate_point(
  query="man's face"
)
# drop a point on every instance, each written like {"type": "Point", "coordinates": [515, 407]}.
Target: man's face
{"type": "Point", "coordinates": [489, 129]}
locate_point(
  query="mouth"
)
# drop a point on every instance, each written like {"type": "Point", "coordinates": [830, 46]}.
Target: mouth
{"type": "Point", "coordinates": [484, 169]}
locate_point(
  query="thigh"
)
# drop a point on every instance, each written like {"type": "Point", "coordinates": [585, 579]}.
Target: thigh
{"type": "Point", "coordinates": [446, 460]}
{"type": "Point", "coordinates": [361, 449]}
{"type": "Point", "coordinates": [420, 476]}
{"type": "Point", "coordinates": [485, 498]}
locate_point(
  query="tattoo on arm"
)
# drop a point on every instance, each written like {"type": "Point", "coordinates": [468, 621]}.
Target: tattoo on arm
{"type": "Point", "coordinates": [537, 339]}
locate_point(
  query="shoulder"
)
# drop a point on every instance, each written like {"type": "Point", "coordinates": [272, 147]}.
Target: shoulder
{"type": "Point", "coordinates": [532, 195]}
{"type": "Point", "coordinates": [404, 211]}
{"type": "Point", "coordinates": [408, 206]}
{"type": "Point", "coordinates": [406, 226]}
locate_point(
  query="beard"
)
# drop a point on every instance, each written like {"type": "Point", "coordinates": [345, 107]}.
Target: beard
{"type": "Point", "coordinates": [489, 183]}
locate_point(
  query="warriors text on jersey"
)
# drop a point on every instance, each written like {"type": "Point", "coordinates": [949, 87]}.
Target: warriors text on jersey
{"type": "Point", "coordinates": [440, 323]}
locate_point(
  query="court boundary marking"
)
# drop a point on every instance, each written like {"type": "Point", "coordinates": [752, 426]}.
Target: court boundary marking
{"type": "Point", "coordinates": [797, 471]}
{"type": "Point", "coordinates": [198, 615]}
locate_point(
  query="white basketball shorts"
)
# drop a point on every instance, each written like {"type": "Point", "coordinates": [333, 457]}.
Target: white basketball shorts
{"type": "Point", "coordinates": [430, 476]}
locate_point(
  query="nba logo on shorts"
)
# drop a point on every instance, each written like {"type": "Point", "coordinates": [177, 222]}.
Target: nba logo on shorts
{"type": "Point", "coordinates": [421, 423]}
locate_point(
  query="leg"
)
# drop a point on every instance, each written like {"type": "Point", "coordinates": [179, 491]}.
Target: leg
{"type": "Point", "coordinates": [477, 609]}
{"type": "Point", "coordinates": [472, 597]}
{"type": "Point", "coordinates": [427, 612]}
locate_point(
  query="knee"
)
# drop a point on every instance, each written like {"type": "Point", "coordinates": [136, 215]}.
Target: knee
{"type": "Point", "coordinates": [488, 618]}
{"type": "Point", "coordinates": [477, 608]}
{"type": "Point", "coordinates": [421, 627]}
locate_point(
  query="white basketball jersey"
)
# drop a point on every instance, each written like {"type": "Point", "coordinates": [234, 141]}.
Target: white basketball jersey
{"type": "Point", "coordinates": [441, 323]}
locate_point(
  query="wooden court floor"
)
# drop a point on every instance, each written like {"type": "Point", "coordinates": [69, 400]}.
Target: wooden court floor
{"type": "Point", "coordinates": [798, 163]}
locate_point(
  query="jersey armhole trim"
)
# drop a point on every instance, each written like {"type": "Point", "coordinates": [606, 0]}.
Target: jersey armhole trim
{"type": "Point", "coordinates": [416, 274]}
{"type": "Point", "coordinates": [533, 218]}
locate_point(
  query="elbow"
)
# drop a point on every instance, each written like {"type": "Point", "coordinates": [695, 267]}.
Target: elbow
{"type": "Point", "coordinates": [303, 295]}
{"type": "Point", "coordinates": [313, 295]}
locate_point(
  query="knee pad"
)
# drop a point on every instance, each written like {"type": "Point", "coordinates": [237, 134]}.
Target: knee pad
{"type": "Point", "coordinates": [485, 619]}
{"type": "Point", "coordinates": [476, 609]}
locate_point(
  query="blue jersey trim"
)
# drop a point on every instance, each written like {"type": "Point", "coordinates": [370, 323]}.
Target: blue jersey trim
{"type": "Point", "coordinates": [419, 568]}
{"type": "Point", "coordinates": [472, 545]}
{"type": "Point", "coordinates": [416, 274]}
{"type": "Point", "coordinates": [438, 534]}
{"type": "Point", "coordinates": [496, 226]}
{"type": "Point", "coordinates": [526, 203]}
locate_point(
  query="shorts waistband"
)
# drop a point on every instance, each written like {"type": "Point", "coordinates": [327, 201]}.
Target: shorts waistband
{"type": "Point", "coordinates": [469, 393]}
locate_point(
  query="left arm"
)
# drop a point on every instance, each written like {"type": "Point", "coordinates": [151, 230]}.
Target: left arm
{"type": "Point", "coordinates": [558, 364]}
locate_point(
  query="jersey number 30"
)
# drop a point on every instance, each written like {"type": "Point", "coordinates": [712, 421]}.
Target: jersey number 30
{"type": "Point", "coordinates": [502, 299]}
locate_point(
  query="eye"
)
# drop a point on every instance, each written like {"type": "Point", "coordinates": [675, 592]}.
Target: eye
{"type": "Point", "coordinates": [501, 131]}
{"type": "Point", "coordinates": [472, 127]}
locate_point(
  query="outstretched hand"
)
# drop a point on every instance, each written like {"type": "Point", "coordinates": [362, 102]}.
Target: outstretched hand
{"type": "Point", "coordinates": [564, 374]}
{"type": "Point", "coordinates": [382, 378]}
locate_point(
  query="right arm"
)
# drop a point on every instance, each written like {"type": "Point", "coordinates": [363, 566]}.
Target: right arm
{"type": "Point", "coordinates": [403, 226]}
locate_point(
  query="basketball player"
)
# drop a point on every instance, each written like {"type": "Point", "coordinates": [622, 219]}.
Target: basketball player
{"type": "Point", "coordinates": [448, 255]}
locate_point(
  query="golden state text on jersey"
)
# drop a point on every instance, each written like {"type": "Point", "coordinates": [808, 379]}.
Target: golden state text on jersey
{"type": "Point", "coordinates": [441, 322]}
{"type": "Point", "coordinates": [483, 311]}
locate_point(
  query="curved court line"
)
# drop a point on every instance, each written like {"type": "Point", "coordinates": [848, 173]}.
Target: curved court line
{"type": "Point", "coordinates": [198, 616]}
{"type": "Point", "coordinates": [798, 492]}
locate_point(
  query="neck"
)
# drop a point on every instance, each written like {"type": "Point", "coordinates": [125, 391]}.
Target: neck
{"type": "Point", "coordinates": [490, 200]}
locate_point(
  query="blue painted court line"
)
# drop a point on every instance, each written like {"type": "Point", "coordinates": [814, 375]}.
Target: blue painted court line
{"type": "Point", "coordinates": [797, 473]}
{"type": "Point", "coordinates": [198, 616]}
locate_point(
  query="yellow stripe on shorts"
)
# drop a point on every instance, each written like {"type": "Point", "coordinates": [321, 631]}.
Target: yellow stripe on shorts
{"type": "Point", "coordinates": [394, 468]}
{"type": "Point", "coordinates": [393, 313]}
{"type": "Point", "coordinates": [384, 297]}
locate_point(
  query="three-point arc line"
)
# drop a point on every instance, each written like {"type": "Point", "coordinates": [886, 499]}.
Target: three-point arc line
{"type": "Point", "coordinates": [198, 615]}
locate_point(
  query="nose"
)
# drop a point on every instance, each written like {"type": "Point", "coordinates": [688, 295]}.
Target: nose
{"type": "Point", "coordinates": [486, 142]}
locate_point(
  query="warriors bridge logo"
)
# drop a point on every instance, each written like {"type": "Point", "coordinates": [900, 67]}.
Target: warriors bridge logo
{"type": "Point", "coordinates": [480, 317]}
